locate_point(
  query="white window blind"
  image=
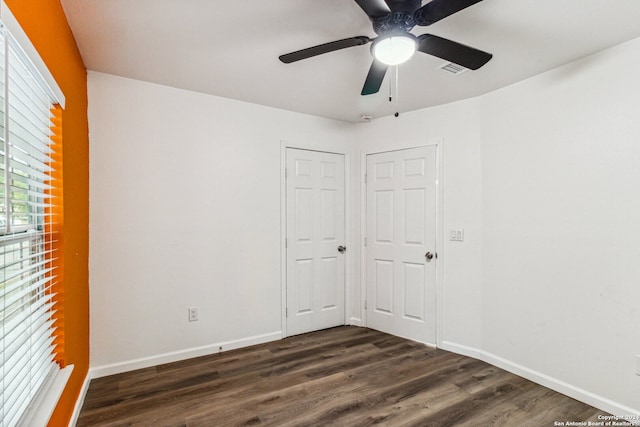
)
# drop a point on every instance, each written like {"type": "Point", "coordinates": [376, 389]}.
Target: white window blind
{"type": "Point", "coordinates": [27, 275]}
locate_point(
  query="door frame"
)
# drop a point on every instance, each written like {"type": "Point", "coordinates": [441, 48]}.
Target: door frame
{"type": "Point", "coordinates": [439, 249]}
{"type": "Point", "coordinates": [349, 243]}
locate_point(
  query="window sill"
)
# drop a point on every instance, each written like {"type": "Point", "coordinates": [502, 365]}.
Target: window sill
{"type": "Point", "coordinates": [45, 402]}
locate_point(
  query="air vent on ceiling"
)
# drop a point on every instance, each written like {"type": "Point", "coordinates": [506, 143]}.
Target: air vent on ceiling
{"type": "Point", "coordinates": [453, 68]}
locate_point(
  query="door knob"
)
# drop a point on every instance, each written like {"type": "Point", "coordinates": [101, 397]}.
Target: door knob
{"type": "Point", "coordinates": [429, 256]}
{"type": "Point", "coordinates": [342, 249]}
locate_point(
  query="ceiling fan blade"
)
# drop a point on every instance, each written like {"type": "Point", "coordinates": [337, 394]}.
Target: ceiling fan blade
{"type": "Point", "coordinates": [407, 6]}
{"type": "Point", "coordinates": [451, 51]}
{"type": "Point", "coordinates": [374, 78]}
{"type": "Point", "coordinates": [324, 48]}
{"type": "Point", "coordinates": [374, 8]}
{"type": "Point", "coordinates": [436, 10]}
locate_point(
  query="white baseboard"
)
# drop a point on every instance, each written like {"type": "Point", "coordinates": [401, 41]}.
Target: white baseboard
{"type": "Point", "coordinates": [355, 321]}
{"type": "Point", "coordinates": [577, 393]}
{"type": "Point", "coordinates": [80, 400]}
{"type": "Point", "coordinates": [146, 362]}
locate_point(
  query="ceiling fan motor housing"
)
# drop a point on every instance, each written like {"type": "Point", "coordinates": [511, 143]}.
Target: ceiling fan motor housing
{"type": "Point", "coordinates": [394, 22]}
{"type": "Point", "coordinates": [399, 19]}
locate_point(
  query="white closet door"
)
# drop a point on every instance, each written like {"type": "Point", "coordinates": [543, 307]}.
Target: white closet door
{"type": "Point", "coordinates": [401, 237]}
{"type": "Point", "coordinates": [315, 231]}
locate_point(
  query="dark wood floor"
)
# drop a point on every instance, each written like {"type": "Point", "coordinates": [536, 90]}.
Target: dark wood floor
{"type": "Point", "coordinates": [345, 376]}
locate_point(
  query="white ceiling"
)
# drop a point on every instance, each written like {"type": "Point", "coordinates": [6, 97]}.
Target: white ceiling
{"type": "Point", "coordinates": [230, 48]}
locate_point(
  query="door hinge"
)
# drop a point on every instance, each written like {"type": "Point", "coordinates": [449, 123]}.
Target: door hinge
{"type": "Point", "coordinates": [365, 178]}
{"type": "Point", "coordinates": [286, 172]}
{"type": "Point", "coordinates": [286, 243]}
{"type": "Point", "coordinates": [286, 312]}
{"type": "Point", "coordinates": [365, 304]}
{"type": "Point", "coordinates": [365, 241]}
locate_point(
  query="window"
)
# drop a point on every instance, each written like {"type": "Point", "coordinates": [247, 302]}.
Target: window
{"type": "Point", "coordinates": [28, 273]}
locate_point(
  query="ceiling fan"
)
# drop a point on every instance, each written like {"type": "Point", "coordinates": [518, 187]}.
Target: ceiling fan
{"type": "Point", "coordinates": [393, 20]}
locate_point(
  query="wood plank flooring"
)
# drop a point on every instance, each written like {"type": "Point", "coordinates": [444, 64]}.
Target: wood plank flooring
{"type": "Point", "coordinates": [345, 376]}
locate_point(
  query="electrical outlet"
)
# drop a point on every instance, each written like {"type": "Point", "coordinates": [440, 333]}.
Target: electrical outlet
{"type": "Point", "coordinates": [193, 314]}
{"type": "Point", "coordinates": [456, 235]}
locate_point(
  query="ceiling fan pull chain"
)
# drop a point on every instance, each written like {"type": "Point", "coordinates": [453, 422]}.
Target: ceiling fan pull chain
{"type": "Point", "coordinates": [397, 92]}
{"type": "Point", "coordinates": [390, 92]}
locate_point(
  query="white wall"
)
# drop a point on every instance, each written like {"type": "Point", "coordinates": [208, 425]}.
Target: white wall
{"type": "Point", "coordinates": [185, 211]}
{"type": "Point", "coordinates": [561, 223]}
{"type": "Point", "coordinates": [544, 177]}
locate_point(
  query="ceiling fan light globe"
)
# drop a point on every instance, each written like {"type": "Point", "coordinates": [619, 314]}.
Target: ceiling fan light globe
{"type": "Point", "coordinates": [394, 50]}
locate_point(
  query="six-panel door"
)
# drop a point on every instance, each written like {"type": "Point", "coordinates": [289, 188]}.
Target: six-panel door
{"type": "Point", "coordinates": [315, 224]}
{"type": "Point", "coordinates": [401, 227]}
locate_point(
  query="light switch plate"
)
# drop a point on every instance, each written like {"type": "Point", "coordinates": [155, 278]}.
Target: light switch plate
{"type": "Point", "coordinates": [193, 314]}
{"type": "Point", "coordinates": [456, 234]}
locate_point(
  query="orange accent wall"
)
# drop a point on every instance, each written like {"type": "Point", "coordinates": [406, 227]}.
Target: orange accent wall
{"type": "Point", "coordinates": [46, 25]}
